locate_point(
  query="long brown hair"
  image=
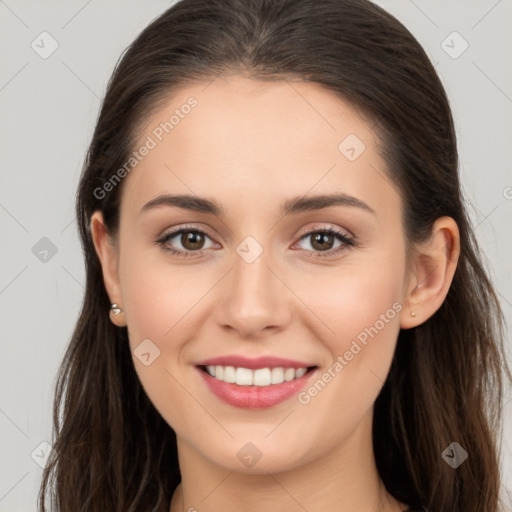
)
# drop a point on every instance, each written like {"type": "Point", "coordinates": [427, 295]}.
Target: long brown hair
{"type": "Point", "coordinates": [113, 450]}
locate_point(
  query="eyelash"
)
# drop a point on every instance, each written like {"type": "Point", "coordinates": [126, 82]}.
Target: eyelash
{"type": "Point", "coordinates": [348, 242]}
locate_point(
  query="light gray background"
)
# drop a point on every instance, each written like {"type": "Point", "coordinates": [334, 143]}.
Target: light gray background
{"type": "Point", "coordinates": [49, 108]}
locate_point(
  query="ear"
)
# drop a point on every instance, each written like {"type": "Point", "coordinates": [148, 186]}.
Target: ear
{"type": "Point", "coordinates": [108, 255]}
{"type": "Point", "coordinates": [434, 266]}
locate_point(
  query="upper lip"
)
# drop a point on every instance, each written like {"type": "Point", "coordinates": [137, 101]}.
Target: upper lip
{"type": "Point", "coordinates": [253, 363]}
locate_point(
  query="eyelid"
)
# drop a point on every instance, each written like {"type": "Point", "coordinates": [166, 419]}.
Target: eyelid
{"type": "Point", "coordinates": [172, 232]}
{"type": "Point", "coordinates": [323, 227]}
{"type": "Point", "coordinates": [347, 242]}
{"type": "Point", "coordinates": [185, 227]}
{"type": "Point", "coordinates": [349, 239]}
{"type": "Point", "coordinates": [300, 234]}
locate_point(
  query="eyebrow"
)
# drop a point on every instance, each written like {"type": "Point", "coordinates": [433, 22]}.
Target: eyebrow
{"type": "Point", "coordinates": [291, 206]}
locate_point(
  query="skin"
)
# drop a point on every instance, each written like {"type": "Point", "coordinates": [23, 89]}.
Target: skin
{"type": "Point", "coordinates": [250, 146]}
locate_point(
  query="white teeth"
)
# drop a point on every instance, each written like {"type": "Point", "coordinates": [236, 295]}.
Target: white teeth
{"type": "Point", "coordinates": [229, 374]}
{"type": "Point", "coordinates": [300, 372]}
{"type": "Point", "coordinates": [259, 377]}
{"type": "Point", "coordinates": [277, 376]}
{"type": "Point", "coordinates": [243, 377]}
{"type": "Point", "coordinates": [289, 374]}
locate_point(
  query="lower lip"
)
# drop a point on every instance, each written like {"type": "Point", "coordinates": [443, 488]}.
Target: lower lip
{"type": "Point", "coordinates": [254, 397]}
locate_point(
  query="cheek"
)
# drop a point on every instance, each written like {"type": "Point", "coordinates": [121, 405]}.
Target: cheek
{"type": "Point", "coordinates": [362, 308]}
{"type": "Point", "coordinates": [359, 308]}
{"type": "Point", "coordinates": [157, 300]}
{"type": "Point", "coordinates": [353, 301]}
{"type": "Point", "coordinates": [156, 296]}
{"type": "Point", "coordinates": [361, 303]}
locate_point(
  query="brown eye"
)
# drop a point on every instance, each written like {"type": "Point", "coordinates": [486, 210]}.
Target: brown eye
{"type": "Point", "coordinates": [323, 242]}
{"type": "Point", "coordinates": [192, 240]}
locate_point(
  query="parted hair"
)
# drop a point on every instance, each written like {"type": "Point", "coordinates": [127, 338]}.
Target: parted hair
{"type": "Point", "coordinates": [112, 449]}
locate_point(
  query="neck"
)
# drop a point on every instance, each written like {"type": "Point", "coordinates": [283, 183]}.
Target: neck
{"type": "Point", "coordinates": [343, 480]}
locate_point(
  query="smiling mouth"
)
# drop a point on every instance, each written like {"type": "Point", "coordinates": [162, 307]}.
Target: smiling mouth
{"type": "Point", "coordinates": [259, 377]}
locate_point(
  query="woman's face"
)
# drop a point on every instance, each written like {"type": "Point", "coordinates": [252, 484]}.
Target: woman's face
{"type": "Point", "coordinates": [258, 278]}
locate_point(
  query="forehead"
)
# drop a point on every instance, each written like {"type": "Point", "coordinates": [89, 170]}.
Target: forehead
{"type": "Point", "coordinates": [258, 141]}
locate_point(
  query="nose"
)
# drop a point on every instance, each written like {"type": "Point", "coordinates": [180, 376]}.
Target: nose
{"type": "Point", "coordinates": [254, 300]}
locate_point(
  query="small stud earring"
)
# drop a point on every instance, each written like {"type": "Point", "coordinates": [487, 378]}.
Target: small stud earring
{"type": "Point", "coordinates": [115, 309]}
{"type": "Point", "coordinates": [413, 313]}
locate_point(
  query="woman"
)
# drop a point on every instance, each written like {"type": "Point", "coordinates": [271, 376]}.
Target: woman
{"type": "Point", "coordinates": [285, 305]}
